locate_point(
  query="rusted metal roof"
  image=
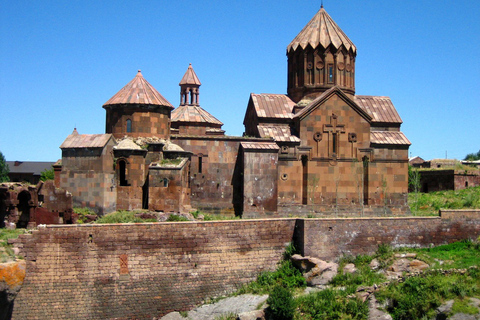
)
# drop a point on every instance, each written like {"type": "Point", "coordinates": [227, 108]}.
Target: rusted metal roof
{"type": "Point", "coordinates": [76, 140]}
{"type": "Point", "coordinates": [190, 77]}
{"type": "Point", "coordinates": [260, 145]}
{"type": "Point", "coordinates": [272, 105]}
{"type": "Point", "coordinates": [389, 137]}
{"type": "Point", "coordinates": [321, 30]}
{"type": "Point", "coordinates": [277, 132]}
{"type": "Point", "coordinates": [380, 108]}
{"type": "Point", "coordinates": [138, 91]}
{"type": "Point", "coordinates": [193, 113]}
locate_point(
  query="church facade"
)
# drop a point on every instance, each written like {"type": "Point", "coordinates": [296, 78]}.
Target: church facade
{"type": "Point", "coordinates": [318, 150]}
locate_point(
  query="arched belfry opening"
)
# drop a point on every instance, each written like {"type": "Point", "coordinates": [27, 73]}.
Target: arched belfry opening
{"type": "Point", "coordinates": [190, 88]}
{"type": "Point", "coordinates": [122, 172]}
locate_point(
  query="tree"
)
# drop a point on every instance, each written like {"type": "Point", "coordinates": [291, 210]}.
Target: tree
{"type": "Point", "coordinates": [4, 169]}
{"type": "Point", "coordinates": [47, 174]}
{"type": "Point", "coordinates": [472, 156]}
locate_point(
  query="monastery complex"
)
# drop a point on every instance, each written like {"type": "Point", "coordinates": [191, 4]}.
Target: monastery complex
{"type": "Point", "coordinates": [319, 149]}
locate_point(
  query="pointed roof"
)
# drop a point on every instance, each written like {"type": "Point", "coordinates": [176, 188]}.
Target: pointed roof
{"type": "Point", "coordinates": [190, 77]}
{"type": "Point", "coordinates": [138, 91]}
{"type": "Point", "coordinates": [193, 113]}
{"type": "Point", "coordinates": [321, 30]}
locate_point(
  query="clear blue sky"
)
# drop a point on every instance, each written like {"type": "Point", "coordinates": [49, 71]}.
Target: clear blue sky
{"type": "Point", "coordinates": [60, 61]}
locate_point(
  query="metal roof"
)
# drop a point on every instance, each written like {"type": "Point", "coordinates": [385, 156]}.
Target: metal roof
{"type": "Point", "coordinates": [76, 140]}
{"type": "Point", "coordinates": [260, 145]}
{"type": "Point", "coordinates": [138, 91]}
{"type": "Point", "coordinates": [380, 108]}
{"type": "Point", "coordinates": [193, 113]}
{"type": "Point", "coordinates": [389, 137]}
{"type": "Point", "coordinates": [190, 77]}
{"type": "Point", "coordinates": [272, 105]}
{"type": "Point", "coordinates": [33, 167]}
{"type": "Point", "coordinates": [321, 30]}
{"type": "Point", "coordinates": [277, 132]}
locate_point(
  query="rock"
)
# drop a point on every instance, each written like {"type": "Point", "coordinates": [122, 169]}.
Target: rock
{"type": "Point", "coordinates": [252, 315]}
{"type": "Point", "coordinates": [417, 266]}
{"type": "Point", "coordinates": [399, 265]}
{"type": "Point", "coordinates": [173, 316]}
{"type": "Point", "coordinates": [305, 264]}
{"type": "Point", "coordinates": [316, 271]}
{"type": "Point", "coordinates": [444, 309]}
{"type": "Point", "coordinates": [12, 275]}
{"type": "Point", "coordinates": [236, 305]}
{"type": "Point", "coordinates": [374, 264]}
{"type": "Point", "coordinates": [374, 312]}
{"type": "Point", "coordinates": [410, 255]}
{"type": "Point", "coordinates": [349, 268]}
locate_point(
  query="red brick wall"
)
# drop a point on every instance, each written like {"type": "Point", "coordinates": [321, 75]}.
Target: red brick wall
{"type": "Point", "coordinates": [332, 238]}
{"type": "Point", "coordinates": [141, 271]}
{"type": "Point", "coordinates": [145, 270]}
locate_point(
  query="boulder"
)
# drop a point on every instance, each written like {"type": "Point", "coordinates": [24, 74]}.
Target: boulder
{"type": "Point", "coordinates": [252, 315]}
{"type": "Point", "coordinates": [374, 264]}
{"type": "Point", "coordinates": [316, 271]}
{"type": "Point", "coordinates": [12, 275]}
{"type": "Point", "coordinates": [349, 268]}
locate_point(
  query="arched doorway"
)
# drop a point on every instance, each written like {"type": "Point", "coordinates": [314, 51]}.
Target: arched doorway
{"type": "Point", "coordinates": [23, 209]}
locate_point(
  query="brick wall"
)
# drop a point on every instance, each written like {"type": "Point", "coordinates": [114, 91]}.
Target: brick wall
{"type": "Point", "coordinates": [145, 270]}
{"type": "Point", "coordinates": [141, 271]}
{"type": "Point", "coordinates": [331, 238]}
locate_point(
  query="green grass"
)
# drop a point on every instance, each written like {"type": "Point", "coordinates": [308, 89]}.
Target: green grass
{"type": "Point", "coordinates": [419, 297]}
{"type": "Point", "coordinates": [458, 255]}
{"type": "Point", "coordinates": [6, 251]}
{"type": "Point", "coordinates": [330, 304]}
{"type": "Point", "coordinates": [428, 204]}
{"type": "Point", "coordinates": [123, 216]}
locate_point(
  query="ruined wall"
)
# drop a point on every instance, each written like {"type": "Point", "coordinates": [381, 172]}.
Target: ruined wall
{"type": "Point", "coordinates": [88, 174]}
{"type": "Point", "coordinates": [142, 271]}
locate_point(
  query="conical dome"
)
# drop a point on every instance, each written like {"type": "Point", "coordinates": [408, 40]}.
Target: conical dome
{"type": "Point", "coordinates": [324, 31]}
{"type": "Point", "coordinates": [138, 91]}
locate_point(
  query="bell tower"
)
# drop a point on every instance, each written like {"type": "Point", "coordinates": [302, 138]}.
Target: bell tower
{"type": "Point", "coordinates": [320, 57]}
{"type": "Point", "coordinates": [190, 88]}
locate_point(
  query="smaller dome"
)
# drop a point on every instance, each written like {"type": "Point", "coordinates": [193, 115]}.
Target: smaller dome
{"type": "Point", "coordinates": [172, 147]}
{"type": "Point", "coordinates": [127, 144]}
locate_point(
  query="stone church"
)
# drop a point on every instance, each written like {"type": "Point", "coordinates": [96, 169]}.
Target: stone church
{"type": "Point", "coordinates": [318, 150]}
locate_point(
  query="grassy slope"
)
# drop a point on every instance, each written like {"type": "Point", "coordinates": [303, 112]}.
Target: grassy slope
{"type": "Point", "coordinates": [427, 204]}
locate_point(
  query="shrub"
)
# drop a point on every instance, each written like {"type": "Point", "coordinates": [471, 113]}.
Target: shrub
{"type": "Point", "coordinates": [281, 305]}
{"type": "Point", "coordinates": [123, 216]}
{"type": "Point", "coordinates": [174, 217]}
{"type": "Point", "coordinates": [332, 304]}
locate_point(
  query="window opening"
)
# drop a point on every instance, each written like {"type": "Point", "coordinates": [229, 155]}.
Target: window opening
{"type": "Point", "coordinates": [129, 125]}
{"type": "Point", "coordinates": [330, 73]}
{"type": "Point", "coordinates": [199, 164]}
{"type": "Point", "coordinates": [122, 171]}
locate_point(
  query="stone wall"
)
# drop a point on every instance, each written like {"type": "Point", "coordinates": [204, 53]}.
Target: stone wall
{"type": "Point", "coordinates": [141, 271]}
{"type": "Point", "coordinates": [331, 238]}
{"type": "Point", "coordinates": [145, 270]}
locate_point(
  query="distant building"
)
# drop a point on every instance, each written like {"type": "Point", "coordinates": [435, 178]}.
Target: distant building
{"type": "Point", "coordinates": [319, 149]}
{"type": "Point", "coordinates": [27, 171]}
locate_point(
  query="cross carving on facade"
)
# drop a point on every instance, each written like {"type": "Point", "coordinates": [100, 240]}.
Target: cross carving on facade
{"type": "Point", "coordinates": [335, 130]}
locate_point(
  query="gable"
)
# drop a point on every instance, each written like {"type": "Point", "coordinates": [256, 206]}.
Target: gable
{"type": "Point", "coordinates": [333, 126]}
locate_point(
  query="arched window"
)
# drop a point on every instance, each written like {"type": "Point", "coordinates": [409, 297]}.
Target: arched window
{"type": "Point", "coordinates": [129, 125]}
